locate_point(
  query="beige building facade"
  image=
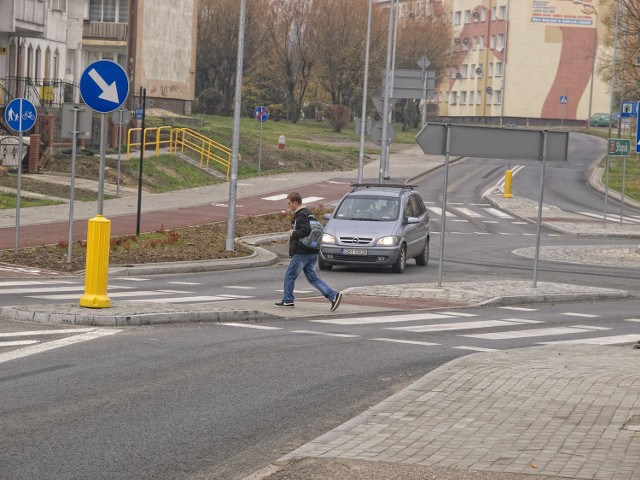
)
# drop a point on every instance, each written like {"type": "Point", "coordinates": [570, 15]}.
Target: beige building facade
{"type": "Point", "coordinates": [529, 61]}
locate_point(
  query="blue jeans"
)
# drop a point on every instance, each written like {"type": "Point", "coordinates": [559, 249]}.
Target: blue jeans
{"type": "Point", "coordinates": [305, 263]}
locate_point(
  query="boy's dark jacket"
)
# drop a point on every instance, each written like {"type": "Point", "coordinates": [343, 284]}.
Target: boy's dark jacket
{"type": "Point", "coordinates": [300, 228]}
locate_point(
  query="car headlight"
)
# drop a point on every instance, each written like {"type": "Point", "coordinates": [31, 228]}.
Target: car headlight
{"type": "Point", "coordinates": [326, 238]}
{"type": "Point", "coordinates": [387, 241]}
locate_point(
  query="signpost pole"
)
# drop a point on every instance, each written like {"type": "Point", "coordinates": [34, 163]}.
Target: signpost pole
{"type": "Point", "coordinates": [19, 186]}
{"type": "Point", "coordinates": [260, 150]}
{"type": "Point", "coordinates": [540, 203]}
{"type": "Point", "coordinates": [606, 191]}
{"type": "Point", "coordinates": [143, 97]}
{"type": "Point", "coordinates": [74, 152]}
{"type": "Point", "coordinates": [624, 168]}
{"type": "Point", "coordinates": [363, 120]}
{"type": "Point", "coordinates": [444, 203]}
{"type": "Point", "coordinates": [121, 114]}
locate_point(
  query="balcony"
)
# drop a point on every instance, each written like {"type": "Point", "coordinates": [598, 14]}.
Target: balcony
{"type": "Point", "coordinates": [105, 30]}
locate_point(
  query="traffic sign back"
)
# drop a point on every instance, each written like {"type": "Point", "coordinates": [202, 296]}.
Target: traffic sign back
{"type": "Point", "coordinates": [104, 86]}
{"type": "Point", "coordinates": [20, 115]}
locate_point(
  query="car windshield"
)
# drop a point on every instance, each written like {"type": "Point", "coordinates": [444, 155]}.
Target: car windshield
{"type": "Point", "coordinates": [368, 208]}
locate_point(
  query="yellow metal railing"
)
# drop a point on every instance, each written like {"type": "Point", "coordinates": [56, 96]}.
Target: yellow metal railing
{"type": "Point", "coordinates": [184, 138]}
{"type": "Point", "coordinates": [143, 141]}
{"type": "Point", "coordinates": [209, 151]}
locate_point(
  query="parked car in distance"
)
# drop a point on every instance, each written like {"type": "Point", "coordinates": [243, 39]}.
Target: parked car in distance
{"type": "Point", "coordinates": [379, 225]}
{"type": "Point", "coordinates": [599, 120]}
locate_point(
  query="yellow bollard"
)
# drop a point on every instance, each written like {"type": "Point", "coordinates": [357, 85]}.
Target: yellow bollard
{"type": "Point", "coordinates": [507, 184]}
{"type": "Point", "coordinates": [95, 281]}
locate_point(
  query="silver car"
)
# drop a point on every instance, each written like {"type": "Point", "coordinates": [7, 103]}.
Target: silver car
{"type": "Point", "coordinates": [379, 225]}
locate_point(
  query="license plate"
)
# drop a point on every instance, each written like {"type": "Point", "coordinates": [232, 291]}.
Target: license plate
{"type": "Point", "coordinates": [354, 251]}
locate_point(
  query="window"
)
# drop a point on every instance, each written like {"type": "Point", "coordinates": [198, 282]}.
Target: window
{"type": "Point", "coordinates": [497, 97]}
{"type": "Point", "coordinates": [492, 42]}
{"type": "Point", "coordinates": [454, 98]}
{"type": "Point", "coordinates": [490, 71]}
{"type": "Point", "coordinates": [59, 5]}
{"type": "Point", "coordinates": [474, 44]}
{"type": "Point", "coordinates": [493, 14]}
{"type": "Point", "coordinates": [502, 12]}
{"type": "Point", "coordinates": [498, 71]}
{"type": "Point", "coordinates": [109, 11]}
{"type": "Point", "coordinates": [465, 43]}
{"type": "Point", "coordinates": [467, 16]}
{"type": "Point", "coordinates": [473, 71]}
{"type": "Point", "coordinates": [456, 18]}
{"type": "Point", "coordinates": [481, 42]}
{"type": "Point", "coordinates": [500, 42]}
{"type": "Point", "coordinates": [463, 98]}
{"type": "Point", "coordinates": [489, 97]}
{"type": "Point", "coordinates": [471, 94]}
{"type": "Point", "coordinates": [483, 14]}
{"type": "Point", "coordinates": [478, 97]}
{"type": "Point", "coordinates": [464, 70]}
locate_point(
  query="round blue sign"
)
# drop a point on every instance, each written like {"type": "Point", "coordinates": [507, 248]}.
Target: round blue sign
{"type": "Point", "coordinates": [20, 115]}
{"type": "Point", "coordinates": [104, 86]}
{"type": "Point", "coordinates": [261, 114]}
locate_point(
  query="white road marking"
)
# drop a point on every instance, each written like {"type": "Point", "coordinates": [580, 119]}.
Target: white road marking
{"type": "Point", "coordinates": [469, 212]}
{"type": "Point", "coordinates": [312, 199]}
{"type": "Point", "coordinates": [14, 291]}
{"type": "Point", "coordinates": [632, 320]}
{"type": "Point", "coordinates": [240, 287]}
{"type": "Point", "coordinates": [412, 342]}
{"type": "Point", "coordinates": [476, 349]}
{"type": "Point", "coordinates": [136, 293]}
{"type": "Point", "coordinates": [325, 334]}
{"type": "Point", "coordinates": [520, 309]}
{"type": "Point", "coordinates": [497, 213]}
{"type": "Point", "coordinates": [196, 299]}
{"type": "Point", "coordinates": [275, 198]}
{"type": "Point", "coordinates": [185, 283]}
{"type": "Point", "coordinates": [540, 332]}
{"type": "Point", "coordinates": [249, 325]}
{"type": "Point", "coordinates": [63, 342]}
{"type": "Point", "coordinates": [381, 319]}
{"type": "Point", "coordinates": [18, 343]}
{"type": "Point", "coordinates": [572, 314]}
{"type": "Point", "coordinates": [613, 340]}
{"type": "Point", "coordinates": [31, 282]}
{"type": "Point", "coordinates": [442, 327]}
{"type": "Point", "coordinates": [27, 333]}
{"type": "Point", "coordinates": [131, 279]}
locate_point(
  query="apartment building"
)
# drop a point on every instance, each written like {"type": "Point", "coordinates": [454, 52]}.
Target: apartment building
{"type": "Point", "coordinates": [45, 45]}
{"type": "Point", "coordinates": [522, 60]}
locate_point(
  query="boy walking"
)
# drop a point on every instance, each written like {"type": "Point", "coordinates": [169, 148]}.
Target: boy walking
{"type": "Point", "coordinates": [303, 259]}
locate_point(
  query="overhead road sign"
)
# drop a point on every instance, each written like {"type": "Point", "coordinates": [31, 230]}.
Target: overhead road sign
{"type": "Point", "coordinates": [104, 86]}
{"type": "Point", "coordinates": [492, 142]}
{"type": "Point", "coordinates": [20, 115]}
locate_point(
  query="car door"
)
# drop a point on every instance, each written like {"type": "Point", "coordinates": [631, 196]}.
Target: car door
{"type": "Point", "coordinates": [416, 232]}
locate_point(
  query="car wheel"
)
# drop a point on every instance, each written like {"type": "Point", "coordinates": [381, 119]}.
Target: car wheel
{"type": "Point", "coordinates": [423, 258]}
{"type": "Point", "coordinates": [323, 265]}
{"type": "Point", "coordinates": [401, 262]}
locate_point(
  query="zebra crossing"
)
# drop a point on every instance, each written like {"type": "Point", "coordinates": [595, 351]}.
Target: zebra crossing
{"type": "Point", "coordinates": [66, 290]}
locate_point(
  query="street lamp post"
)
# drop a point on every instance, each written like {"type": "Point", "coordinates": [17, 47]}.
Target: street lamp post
{"type": "Point", "coordinates": [595, 51]}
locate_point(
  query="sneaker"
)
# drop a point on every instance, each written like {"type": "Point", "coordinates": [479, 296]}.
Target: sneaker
{"type": "Point", "coordinates": [335, 303]}
{"type": "Point", "coordinates": [284, 304]}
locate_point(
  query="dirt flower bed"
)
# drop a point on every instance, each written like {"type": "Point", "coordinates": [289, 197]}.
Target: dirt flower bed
{"type": "Point", "coordinates": [204, 242]}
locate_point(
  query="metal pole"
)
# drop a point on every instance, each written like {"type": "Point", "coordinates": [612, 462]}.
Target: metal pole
{"type": "Point", "coordinates": [74, 153]}
{"type": "Point", "coordinates": [393, 70]}
{"type": "Point", "coordinates": [19, 186]}
{"type": "Point", "coordinates": [444, 203]}
{"type": "Point", "coordinates": [613, 67]}
{"type": "Point", "coordinates": [540, 203]}
{"type": "Point", "coordinates": [385, 108]}
{"type": "Point", "coordinates": [504, 64]}
{"type": "Point", "coordinates": [624, 168]}
{"type": "Point", "coordinates": [606, 191]}
{"type": "Point", "coordinates": [103, 140]}
{"type": "Point", "coordinates": [260, 149]}
{"type": "Point", "coordinates": [143, 96]}
{"type": "Point", "coordinates": [424, 95]}
{"type": "Point", "coordinates": [233, 183]}
{"type": "Point", "coordinates": [593, 69]}
{"type": "Point", "coordinates": [121, 112]}
{"type": "Point", "coordinates": [363, 122]}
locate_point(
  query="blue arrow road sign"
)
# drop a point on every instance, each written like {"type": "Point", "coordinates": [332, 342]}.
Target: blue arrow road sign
{"type": "Point", "coordinates": [261, 114]}
{"type": "Point", "coordinates": [20, 115]}
{"type": "Point", "coordinates": [104, 86]}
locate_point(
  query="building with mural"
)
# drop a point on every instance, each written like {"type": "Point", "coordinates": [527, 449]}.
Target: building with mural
{"type": "Point", "coordinates": [523, 60]}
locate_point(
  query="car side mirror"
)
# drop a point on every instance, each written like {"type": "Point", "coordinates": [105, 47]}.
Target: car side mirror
{"type": "Point", "coordinates": [327, 216]}
{"type": "Point", "coordinates": [412, 220]}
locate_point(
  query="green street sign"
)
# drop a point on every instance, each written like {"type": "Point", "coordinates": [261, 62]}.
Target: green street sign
{"type": "Point", "coordinates": [619, 147]}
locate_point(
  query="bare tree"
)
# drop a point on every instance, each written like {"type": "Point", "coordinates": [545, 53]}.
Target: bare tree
{"type": "Point", "coordinates": [218, 22]}
{"type": "Point", "coordinates": [627, 61]}
{"type": "Point", "coordinates": [290, 59]}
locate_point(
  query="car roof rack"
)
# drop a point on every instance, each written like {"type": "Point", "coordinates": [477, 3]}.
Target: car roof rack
{"type": "Point", "coordinates": [360, 186]}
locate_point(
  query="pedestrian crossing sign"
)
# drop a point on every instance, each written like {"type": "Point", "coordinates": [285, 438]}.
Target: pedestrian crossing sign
{"type": "Point", "coordinates": [564, 99]}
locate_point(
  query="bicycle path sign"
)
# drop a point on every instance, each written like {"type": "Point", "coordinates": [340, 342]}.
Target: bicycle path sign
{"type": "Point", "coordinates": [20, 115]}
{"type": "Point", "coordinates": [104, 86]}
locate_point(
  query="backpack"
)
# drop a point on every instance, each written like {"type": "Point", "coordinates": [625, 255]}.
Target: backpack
{"type": "Point", "coordinates": [314, 239]}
